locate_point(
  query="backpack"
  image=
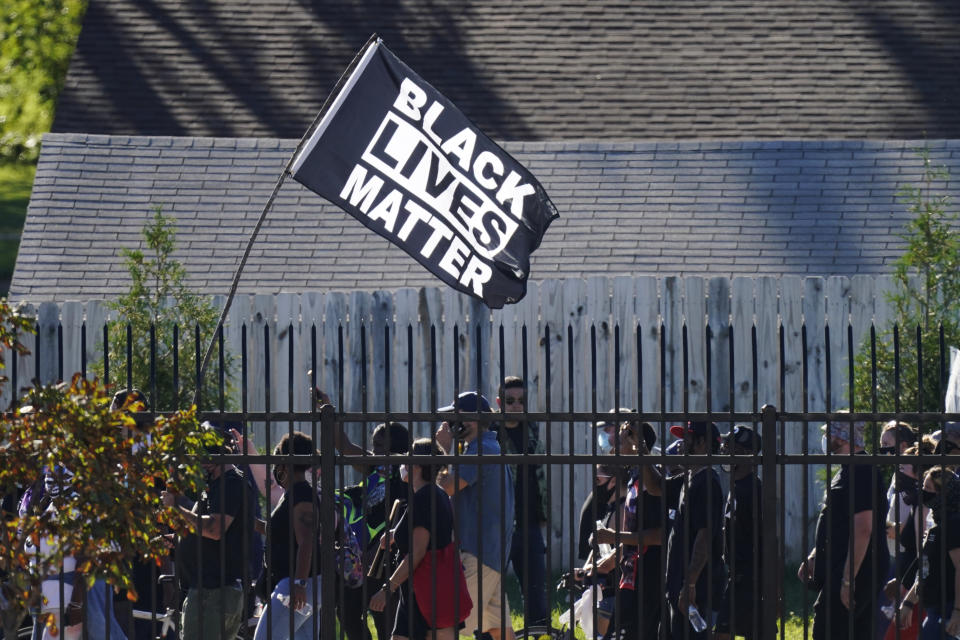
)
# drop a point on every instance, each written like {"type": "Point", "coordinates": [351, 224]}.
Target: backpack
{"type": "Point", "coordinates": [349, 554]}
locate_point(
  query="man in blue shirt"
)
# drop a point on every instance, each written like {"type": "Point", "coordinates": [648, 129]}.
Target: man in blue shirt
{"type": "Point", "coordinates": [483, 505]}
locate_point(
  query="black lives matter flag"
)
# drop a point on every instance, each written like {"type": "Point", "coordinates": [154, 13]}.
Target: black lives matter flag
{"type": "Point", "coordinates": [403, 160]}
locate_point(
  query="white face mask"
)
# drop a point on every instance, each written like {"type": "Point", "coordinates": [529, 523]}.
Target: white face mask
{"type": "Point", "coordinates": [604, 445]}
{"type": "Point", "coordinates": [403, 472]}
{"type": "Point", "coordinates": [824, 444]}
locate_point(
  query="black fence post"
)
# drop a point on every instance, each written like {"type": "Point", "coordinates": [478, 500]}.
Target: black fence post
{"type": "Point", "coordinates": [771, 534]}
{"type": "Point", "coordinates": [328, 480]}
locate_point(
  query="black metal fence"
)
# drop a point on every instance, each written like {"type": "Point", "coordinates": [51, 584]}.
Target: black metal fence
{"type": "Point", "coordinates": [570, 464]}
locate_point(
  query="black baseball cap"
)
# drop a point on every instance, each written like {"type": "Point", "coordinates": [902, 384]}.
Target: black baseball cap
{"type": "Point", "coordinates": [468, 402]}
{"type": "Point", "coordinates": [744, 436]}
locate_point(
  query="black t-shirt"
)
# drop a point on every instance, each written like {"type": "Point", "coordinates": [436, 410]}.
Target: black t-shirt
{"type": "Point", "coordinates": [199, 558]}
{"type": "Point", "coordinates": [937, 565]}
{"type": "Point", "coordinates": [868, 492]}
{"type": "Point", "coordinates": [700, 507]}
{"type": "Point", "coordinates": [600, 496]}
{"type": "Point", "coordinates": [642, 512]}
{"type": "Point", "coordinates": [742, 531]}
{"type": "Point", "coordinates": [430, 505]}
{"type": "Point", "coordinates": [281, 536]}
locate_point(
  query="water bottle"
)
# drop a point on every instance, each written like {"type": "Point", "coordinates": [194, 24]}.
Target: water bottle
{"type": "Point", "coordinates": [285, 601]}
{"type": "Point", "coordinates": [696, 620]}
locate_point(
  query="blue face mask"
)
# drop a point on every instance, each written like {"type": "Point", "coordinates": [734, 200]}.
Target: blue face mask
{"type": "Point", "coordinates": [604, 444]}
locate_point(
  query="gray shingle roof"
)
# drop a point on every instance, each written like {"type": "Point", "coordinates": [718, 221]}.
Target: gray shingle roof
{"type": "Point", "coordinates": [678, 208]}
{"type": "Point", "coordinates": [529, 69]}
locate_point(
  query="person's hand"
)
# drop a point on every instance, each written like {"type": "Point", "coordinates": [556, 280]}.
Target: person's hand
{"type": "Point", "coordinates": [445, 436]}
{"type": "Point", "coordinates": [167, 499]}
{"type": "Point", "coordinates": [688, 597]}
{"type": "Point", "coordinates": [298, 596]}
{"type": "Point", "coordinates": [805, 572]}
{"type": "Point", "coordinates": [319, 397]}
{"type": "Point", "coordinates": [387, 538]}
{"type": "Point", "coordinates": [846, 597]}
{"type": "Point", "coordinates": [892, 590]}
{"type": "Point", "coordinates": [605, 536]}
{"type": "Point", "coordinates": [379, 601]}
{"type": "Point", "coordinates": [906, 616]}
{"type": "Point", "coordinates": [243, 445]}
{"type": "Point", "coordinates": [953, 624]}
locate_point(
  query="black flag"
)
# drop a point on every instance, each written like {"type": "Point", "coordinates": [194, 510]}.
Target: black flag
{"type": "Point", "coordinates": [402, 159]}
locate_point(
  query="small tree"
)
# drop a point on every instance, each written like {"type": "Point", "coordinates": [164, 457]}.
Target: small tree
{"type": "Point", "coordinates": [113, 513]}
{"type": "Point", "coordinates": [926, 292]}
{"type": "Point", "coordinates": [160, 297]}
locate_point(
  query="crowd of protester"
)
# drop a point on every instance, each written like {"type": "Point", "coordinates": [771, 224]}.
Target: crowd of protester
{"type": "Point", "coordinates": [669, 545]}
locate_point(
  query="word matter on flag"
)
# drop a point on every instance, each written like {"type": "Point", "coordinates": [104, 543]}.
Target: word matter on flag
{"type": "Point", "coordinates": [401, 158]}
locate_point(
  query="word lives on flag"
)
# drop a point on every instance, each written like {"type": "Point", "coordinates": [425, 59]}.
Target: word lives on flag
{"type": "Point", "coordinates": [402, 159]}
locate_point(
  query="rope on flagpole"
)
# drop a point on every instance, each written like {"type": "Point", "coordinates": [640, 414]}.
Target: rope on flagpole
{"type": "Point", "coordinates": [263, 215]}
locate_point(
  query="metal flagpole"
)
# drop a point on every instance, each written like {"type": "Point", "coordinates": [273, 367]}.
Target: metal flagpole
{"type": "Point", "coordinates": [263, 214]}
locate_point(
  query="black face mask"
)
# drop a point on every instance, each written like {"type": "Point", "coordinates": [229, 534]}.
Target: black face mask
{"type": "Point", "coordinates": [905, 482]}
{"type": "Point", "coordinates": [930, 499]}
{"type": "Point", "coordinates": [886, 451]}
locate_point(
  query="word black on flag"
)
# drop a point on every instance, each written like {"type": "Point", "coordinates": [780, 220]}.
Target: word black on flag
{"type": "Point", "coordinates": [402, 159]}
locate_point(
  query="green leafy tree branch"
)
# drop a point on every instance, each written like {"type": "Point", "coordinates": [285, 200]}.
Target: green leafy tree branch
{"type": "Point", "coordinates": [37, 38]}
{"type": "Point", "coordinates": [112, 514]}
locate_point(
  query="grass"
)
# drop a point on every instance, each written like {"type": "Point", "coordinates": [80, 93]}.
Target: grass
{"type": "Point", "coordinates": [794, 594]}
{"type": "Point", "coordinates": [16, 180]}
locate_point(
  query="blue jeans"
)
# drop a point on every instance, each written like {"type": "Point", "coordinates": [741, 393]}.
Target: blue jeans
{"type": "Point", "coordinates": [277, 614]}
{"type": "Point", "coordinates": [931, 625]}
{"type": "Point", "coordinates": [95, 618]}
{"type": "Point", "coordinates": [527, 554]}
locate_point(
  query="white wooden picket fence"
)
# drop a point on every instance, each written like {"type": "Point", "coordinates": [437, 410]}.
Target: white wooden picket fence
{"type": "Point", "coordinates": [586, 315]}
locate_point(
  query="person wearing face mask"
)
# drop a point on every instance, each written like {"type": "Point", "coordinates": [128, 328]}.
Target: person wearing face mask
{"type": "Point", "coordinates": [637, 606]}
{"type": "Point", "coordinates": [910, 535]}
{"type": "Point", "coordinates": [741, 608]}
{"type": "Point", "coordinates": [429, 575]}
{"type": "Point", "coordinates": [848, 583]}
{"type": "Point", "coordinates": [938, 581]}
{"type": "Point", "coordinates": [593, 507]}
{"type": "Point", "coordinates": [365, 507]}
{"type": "Point", "coordinates": [223, 515]}
{"type": "Point", "coordinates": [483, 505]}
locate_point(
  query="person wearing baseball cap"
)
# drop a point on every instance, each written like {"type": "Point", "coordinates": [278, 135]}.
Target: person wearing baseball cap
{"type": "Point", "coordinates": [695, 572]}
{"type": "Point", "coordinates": [848, 583]}
{"type": "Point", "coordinates": [480, 494]}
{"type": "Point", "coordinates": [742, 536]}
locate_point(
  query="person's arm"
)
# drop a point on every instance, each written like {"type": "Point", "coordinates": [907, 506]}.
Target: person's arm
{"type": "Point", "coordinates": [409, 564]}
{"type": "Point", "coordinates": [258, 471]}
{"type": "Point", "coordinates": [305, 531]}
{"type": "Point", "coordinates": [446, 482]}
{"type": "Point", "coordinates": [211, 526]}
{"type": "Point", "coordinates": [862, 529]}
{"type": "Point", "coordinates": [908, 604]}
{"type": "Point", "coordinates": [609, 536]}
{"type": "Point", "coordinates": [698, 560]}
